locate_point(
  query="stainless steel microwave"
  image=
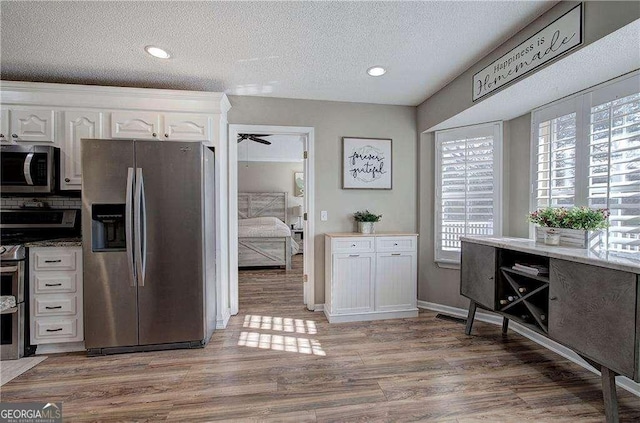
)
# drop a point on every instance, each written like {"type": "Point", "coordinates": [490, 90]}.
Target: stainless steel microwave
{"type": "Point", "coordinates": [29, 169]}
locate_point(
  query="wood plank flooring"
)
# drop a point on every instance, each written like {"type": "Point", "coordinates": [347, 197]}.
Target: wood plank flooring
{"type": "Point", "coordinates": [277, 362]}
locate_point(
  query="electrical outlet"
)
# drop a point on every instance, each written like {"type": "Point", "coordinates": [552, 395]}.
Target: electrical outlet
{"type": "Point", "coordinates": [323, 215]}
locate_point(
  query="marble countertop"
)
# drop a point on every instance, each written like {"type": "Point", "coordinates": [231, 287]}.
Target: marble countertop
{"type": "Point", "coordinates": [628, 262]}
{"type": "Point", "coordinates": [358, 234]}
{"type": "Point", "coordinates": [60, 242]}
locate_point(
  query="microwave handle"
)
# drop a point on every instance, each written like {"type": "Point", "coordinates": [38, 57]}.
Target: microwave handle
{"type": "Point", "coordinates": [27, 169]}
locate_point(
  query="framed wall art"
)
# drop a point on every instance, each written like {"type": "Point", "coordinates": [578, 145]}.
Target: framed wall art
{"type": "Point", "coordinates": [366, 163]}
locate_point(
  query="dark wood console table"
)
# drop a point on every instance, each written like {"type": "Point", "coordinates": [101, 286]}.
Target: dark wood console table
{"type": "Point", "coordinates": [588, 301]}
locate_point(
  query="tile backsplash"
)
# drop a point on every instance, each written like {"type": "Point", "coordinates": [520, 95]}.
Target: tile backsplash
{"type": "Point", "coordinates": [55, 201]}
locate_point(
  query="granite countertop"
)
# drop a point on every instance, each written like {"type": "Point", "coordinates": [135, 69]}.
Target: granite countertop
{"type": "Point", "coordinates": [628, 262]}
{"type": "Point", "coordinates": [60, 242]}
{"type": "Point", "coordinates": [358, 234]}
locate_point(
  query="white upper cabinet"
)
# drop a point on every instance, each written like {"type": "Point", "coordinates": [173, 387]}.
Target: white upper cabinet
{"type": "Point", "coordinates": [5, 137]}
{"type": "Point", "coordinates": [32, 125]}
{"type": "Point", "coordinates": [138, 125]}
{"type": "Point", "coordinates": [77, 125]}
{"type": "Point", "coordinates": [184, 127]}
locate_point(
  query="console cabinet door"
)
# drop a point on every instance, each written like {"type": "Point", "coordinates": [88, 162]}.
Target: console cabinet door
{"type": "Point", "coordinates": [592, 310]}
{"type": "Point", "coordinates": [396, 284]}
{"type": "Point", "coordinates": [353, 283]}
{"type": "Point", "coordinates": [478, 273]}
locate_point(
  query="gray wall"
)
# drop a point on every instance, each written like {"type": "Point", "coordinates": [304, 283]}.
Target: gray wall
{"type": "Point", "coordinates": [441, 285]}
{"type": "Point", "coordinates": [600, 19]}
{"type": "Point", "coordinates": [270, 177]}
{"type": "Point", "coordinates": [332, 121]}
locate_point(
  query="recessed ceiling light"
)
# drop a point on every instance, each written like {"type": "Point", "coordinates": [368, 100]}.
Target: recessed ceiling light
{"type": "Point", "coordinates": [376, 71]}
{"type": "Point", "coordinates": [157, 52]}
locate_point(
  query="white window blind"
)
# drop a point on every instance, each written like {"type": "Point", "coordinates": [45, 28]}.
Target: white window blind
{"type": "Point", "coordinates": [468, 186]}
{"type": "Point", "coordinates": [614, 169]}
{"type": "Point", "coordinates": [586, 152]}
{"type": "Point", "coordinates": [556, 162]}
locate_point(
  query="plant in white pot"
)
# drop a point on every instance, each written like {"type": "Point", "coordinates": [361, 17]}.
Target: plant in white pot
{"type": "Point", "coordinates": [366, 221]}
{"type": "Point", "coordinates": [574, 227]}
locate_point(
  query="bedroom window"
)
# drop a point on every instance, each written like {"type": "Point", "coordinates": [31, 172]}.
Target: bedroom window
{"type": "Point", "coordinates": [468, 187]}
{"type": "Point", "coordinates": [586, 152]}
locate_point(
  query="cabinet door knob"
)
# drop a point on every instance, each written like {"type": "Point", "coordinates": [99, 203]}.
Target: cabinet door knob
{"type": "Point", "coordinates": [154, 135]}
{"type": "Point", "coordinates": [166, 135]}
{"type": "Point", "coordinates": [490, 278]}
{"type": "Point", "coordinates": [353, 245]}
{"type": "Point", "coordinates": [1, 135]}
{"type": "Point", "coordinates": [67, 180]}
{"type": "Point", "coordinates": [14, 135]}
{"type": "Point", "coordinates": [553, 298]}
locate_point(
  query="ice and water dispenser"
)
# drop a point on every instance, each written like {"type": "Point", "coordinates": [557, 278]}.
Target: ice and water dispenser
{"type": "Point", "coordinates": [108, 230]}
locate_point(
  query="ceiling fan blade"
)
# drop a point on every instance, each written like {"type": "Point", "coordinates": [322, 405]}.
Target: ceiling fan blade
{"type": "Point", "coordinates": [260, 140]}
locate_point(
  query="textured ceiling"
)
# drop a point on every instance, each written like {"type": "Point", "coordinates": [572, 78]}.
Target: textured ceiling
{"type": "Point", "coordinates": [310, 50]}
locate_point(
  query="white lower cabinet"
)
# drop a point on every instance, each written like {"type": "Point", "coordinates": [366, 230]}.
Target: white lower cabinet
{"type": "Point", "coordinates": [55, 286]}
{"type": "Point", "coordinates": [370, 277]}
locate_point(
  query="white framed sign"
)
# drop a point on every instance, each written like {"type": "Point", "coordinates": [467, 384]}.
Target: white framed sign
{"type": "Point", "coordinates": [366, 163]}
{"type": "Point", "coordinates": [554, 40]}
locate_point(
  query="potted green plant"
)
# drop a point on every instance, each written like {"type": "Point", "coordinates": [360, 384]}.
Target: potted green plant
{"type": "Point", "coordinates": [366, 221]}
{"type": "Point", "coordinates": [571, 227]}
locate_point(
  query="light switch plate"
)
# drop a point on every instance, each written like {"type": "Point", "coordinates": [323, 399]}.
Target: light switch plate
{"type": "Point", "coordinates": [323, 215]}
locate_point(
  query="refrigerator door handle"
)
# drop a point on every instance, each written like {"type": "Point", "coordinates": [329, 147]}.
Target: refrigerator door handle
{"type": "Point", "coordinates": [128, 225]}
{"type": "Point", "coordinates": [140, 228]}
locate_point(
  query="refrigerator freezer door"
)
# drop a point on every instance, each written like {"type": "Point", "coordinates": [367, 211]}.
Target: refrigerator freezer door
{"type": "Point", "coordinates": [110, 294]}
{"type": "Point", "coordinates": [171, 301]}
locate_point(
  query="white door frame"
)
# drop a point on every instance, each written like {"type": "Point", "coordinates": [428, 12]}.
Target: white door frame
{"type": "Point", "coordinates": [308, 245]}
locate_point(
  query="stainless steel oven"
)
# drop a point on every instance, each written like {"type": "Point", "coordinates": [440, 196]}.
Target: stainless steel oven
{"type": "Point", "coordinates": [12, 318]}
{"type": "Point", "coordinates": [29, 169]}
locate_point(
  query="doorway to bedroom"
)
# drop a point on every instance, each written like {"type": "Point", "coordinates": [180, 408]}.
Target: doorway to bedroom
{"type": "Point", "coordinates": [270, 222]}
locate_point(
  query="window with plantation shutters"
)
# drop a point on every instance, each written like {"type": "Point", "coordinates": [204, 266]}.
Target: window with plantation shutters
{"type": "Point", "coordinates": [468, 186]}
{"type": "Point", "coordinates": [614, 169]}
{"type": "Point", "coordinates": [586, 152]}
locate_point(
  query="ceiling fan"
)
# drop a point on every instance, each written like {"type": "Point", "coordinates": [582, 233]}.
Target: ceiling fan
{"type": "Point", "coordinates": [254, 137]}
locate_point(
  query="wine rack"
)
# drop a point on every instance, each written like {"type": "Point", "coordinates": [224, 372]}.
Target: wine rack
{"type": "Point", "coordinates": [521, 296]}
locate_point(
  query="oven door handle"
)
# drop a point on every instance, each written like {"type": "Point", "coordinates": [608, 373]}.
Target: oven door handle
{"type": "Point", "coordinates": [8, 269]}
{"type": "Point", "coordinates": [27, 169]}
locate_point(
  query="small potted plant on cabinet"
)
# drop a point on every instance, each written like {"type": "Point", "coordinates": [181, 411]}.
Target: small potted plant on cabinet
{"type": "Point", "coordinates": [574, 227]}
{"type": "Point", "coordinates": [366, 221]}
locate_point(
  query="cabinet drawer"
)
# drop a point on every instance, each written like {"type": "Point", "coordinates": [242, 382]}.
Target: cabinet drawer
{"type": "Point", "coordinates": [55, 282]}
{"type": "Point", "coordinates": [353, 245]}
{"type": "Point", "coordinates": [55, 260]}
{"type": "Point", "coordinates": [54, 329]}
{"type": "Point", "coordinates": [400, 243]}
{"type": "Point", "coordinates": [55, 305]}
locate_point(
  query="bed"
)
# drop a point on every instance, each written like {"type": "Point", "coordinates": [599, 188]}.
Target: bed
{"type": "Point", "coordinates": [264, 239]}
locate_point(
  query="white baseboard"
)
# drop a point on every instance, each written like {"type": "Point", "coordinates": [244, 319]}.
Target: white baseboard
{"type": "Point", "coordinates": [364, 317]}
{"type": "Point", "coordinates": [63, 347]}
{"type": "Point", "coordinates": [623, 382]}
{"type": "Point", "coordinates": [222, 321]}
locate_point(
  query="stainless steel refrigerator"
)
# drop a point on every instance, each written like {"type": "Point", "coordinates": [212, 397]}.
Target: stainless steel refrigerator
{"type": "Point", "coordinates": [148, 245]}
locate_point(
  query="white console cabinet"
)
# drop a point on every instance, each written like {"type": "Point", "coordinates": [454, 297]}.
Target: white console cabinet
{"type": "Point", "coordinates": [55, 287]}
{"type": "Point", "coordinates": [370, 277]}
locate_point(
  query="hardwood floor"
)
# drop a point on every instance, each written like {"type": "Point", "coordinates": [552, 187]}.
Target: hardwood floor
{"type": "Point", "coordinates": [278, 362]}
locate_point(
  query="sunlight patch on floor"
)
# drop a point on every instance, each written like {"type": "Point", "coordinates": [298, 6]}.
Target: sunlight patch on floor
{"type": "Point", "coordinates": [280, 343]}
{"type": "Point", "coordinates": [284, 324]}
